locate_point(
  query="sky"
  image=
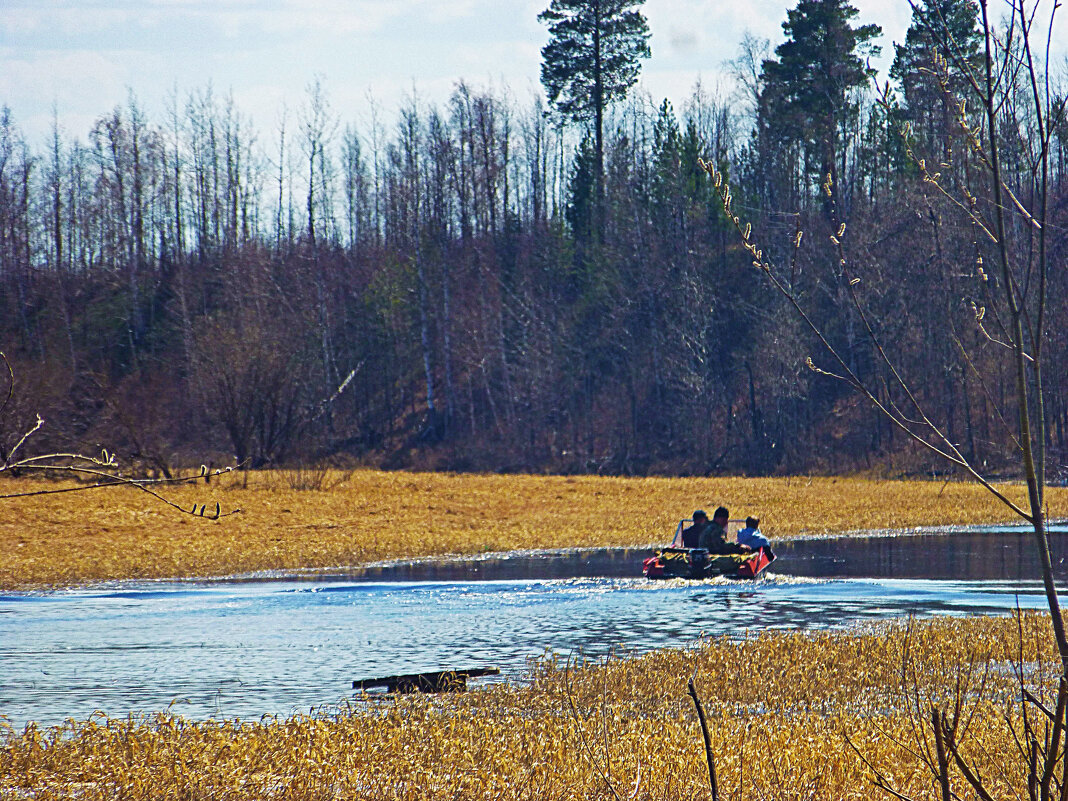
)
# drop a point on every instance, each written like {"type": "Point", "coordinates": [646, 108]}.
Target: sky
{"type": "Point", "coordinates": [78, 59]}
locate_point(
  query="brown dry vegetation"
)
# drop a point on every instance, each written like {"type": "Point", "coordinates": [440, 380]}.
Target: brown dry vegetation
{"type": "Point", "coordinates": [781, 706]}
{"type": "Point", "coordinates": [371, 515]}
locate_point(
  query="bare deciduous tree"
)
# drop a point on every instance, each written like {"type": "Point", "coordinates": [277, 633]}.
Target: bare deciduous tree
{"type": "Point", "coordinates": [1007, 294]}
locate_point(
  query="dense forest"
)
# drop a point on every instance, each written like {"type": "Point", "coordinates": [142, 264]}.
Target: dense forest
{"type": "Point", "coordinates": [508, 283]}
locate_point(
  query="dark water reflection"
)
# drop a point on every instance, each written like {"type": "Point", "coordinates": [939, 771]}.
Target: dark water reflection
{"type": "Point", "coordinates": [1008, 554]}
{"type": "Point", "coordinates": [996, 554]}
{"type": "Point", "coordinates": [244, 649]}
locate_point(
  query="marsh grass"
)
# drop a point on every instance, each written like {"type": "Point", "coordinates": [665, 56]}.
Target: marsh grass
{"type": "Point", "coordinates": [791, 716]}
{"type": "Point", "coordinates": [357, 517]}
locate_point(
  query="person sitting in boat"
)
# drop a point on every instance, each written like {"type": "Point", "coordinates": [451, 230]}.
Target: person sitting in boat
{"type": "Point", "coordinates": [714, 536]}
{"type": "Point", "coordinates": [751, 536]}
{"type": "Point", "coordinates": [691, 537]}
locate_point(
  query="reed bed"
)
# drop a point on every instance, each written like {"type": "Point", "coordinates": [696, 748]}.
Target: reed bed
{"type": "Point", "coordinates": [354, 518]}
{"type": "Point", "coordinates": [791, 714]}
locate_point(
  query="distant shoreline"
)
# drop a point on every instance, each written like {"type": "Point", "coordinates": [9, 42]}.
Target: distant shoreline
{"type": "Point", "coordinates": [369, 516]}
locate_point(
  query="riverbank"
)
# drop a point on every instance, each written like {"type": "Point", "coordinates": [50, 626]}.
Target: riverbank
{"type": "Point", "coordinates": [364, 516]}
{"type": "Point", "coordinates": [789, 713]}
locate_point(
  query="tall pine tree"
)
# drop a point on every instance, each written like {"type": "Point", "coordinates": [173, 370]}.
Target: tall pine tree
{"type": "Point", "coordinates": [940, 28]}
{"type": "Point", "coordinates": [591, 60]}
{"type": "Point", "coordinates": [810, 87]}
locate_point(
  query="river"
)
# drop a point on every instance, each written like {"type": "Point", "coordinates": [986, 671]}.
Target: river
{"type": "Point", "coordinates": [244, 648]}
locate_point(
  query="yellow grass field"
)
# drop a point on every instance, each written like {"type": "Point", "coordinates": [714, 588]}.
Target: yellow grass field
{"type": "Point", "coordinates": [783, 710]}
{"type": "Point", "coordinates": [370, 515]}
{"type": "Point", "coordinates": [789, 711]}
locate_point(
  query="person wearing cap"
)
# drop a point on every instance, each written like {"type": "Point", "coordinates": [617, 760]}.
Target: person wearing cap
{"type": "Point", "coordinates": [714, 536]}
{"type": "Point", "coordinates": [751, 536]}
{"type": "Point", "coordinates": [691, 537]}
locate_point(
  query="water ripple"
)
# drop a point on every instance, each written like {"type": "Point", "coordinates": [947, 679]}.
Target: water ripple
{"type": "Point", "coordinates": [250, 648]}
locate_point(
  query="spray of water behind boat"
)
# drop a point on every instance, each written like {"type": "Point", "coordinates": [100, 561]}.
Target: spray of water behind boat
{"type": "Point", "coordinates": [678, 561]}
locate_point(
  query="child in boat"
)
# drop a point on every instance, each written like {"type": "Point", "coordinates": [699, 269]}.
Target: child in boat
{"type": "Point", "coordinates": [751, 536]}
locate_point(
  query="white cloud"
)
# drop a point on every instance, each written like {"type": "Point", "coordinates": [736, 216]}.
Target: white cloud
{"type": "Point", "coordinates": [84, 53]}
{"type": "Point", "coordinates": [47, 23]}
{"type": "Point", "coordinates": [81, 84]}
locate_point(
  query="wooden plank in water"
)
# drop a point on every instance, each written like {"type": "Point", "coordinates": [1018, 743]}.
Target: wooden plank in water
{"type": "Point", "coordinates": [438, 681]}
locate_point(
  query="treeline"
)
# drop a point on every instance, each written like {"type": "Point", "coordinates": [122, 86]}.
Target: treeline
{"type": "Point", "coordinates": [455, 289]}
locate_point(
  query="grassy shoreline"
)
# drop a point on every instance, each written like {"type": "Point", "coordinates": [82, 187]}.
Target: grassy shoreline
{"type": "Point", "coordinates": [784, 707]}
{"type": "Point", "coordinates": [365, 516]}
{"type": "Point", "coordinates": [789, 710]}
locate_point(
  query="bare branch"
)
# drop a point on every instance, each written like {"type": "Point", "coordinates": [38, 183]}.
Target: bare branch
{"type": "Point", "coordinates": [950, 453]}
{"type": "Point", "coordinates": [103, 470]}
{"type": "Point", "coordinates": [709, 757]}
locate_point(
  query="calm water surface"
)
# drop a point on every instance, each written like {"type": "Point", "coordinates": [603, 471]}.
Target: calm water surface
{"type": "Point", "coordinates": [250, 648]}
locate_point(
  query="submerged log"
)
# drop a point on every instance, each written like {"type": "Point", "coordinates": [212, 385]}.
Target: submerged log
{"type": "Point", "coordinates": [439, 681]}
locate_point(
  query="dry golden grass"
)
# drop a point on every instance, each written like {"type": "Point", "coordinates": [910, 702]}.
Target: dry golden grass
{"type": "Point", "coordinates": [121, 533]}
{"type": "Point", "coordinates": [781, 706]}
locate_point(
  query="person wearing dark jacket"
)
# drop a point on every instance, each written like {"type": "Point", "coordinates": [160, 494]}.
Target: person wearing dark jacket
{"type": "Point", "coordinates": [691, 537]}
{"type": "Point", "coordinates": [714, 536]}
